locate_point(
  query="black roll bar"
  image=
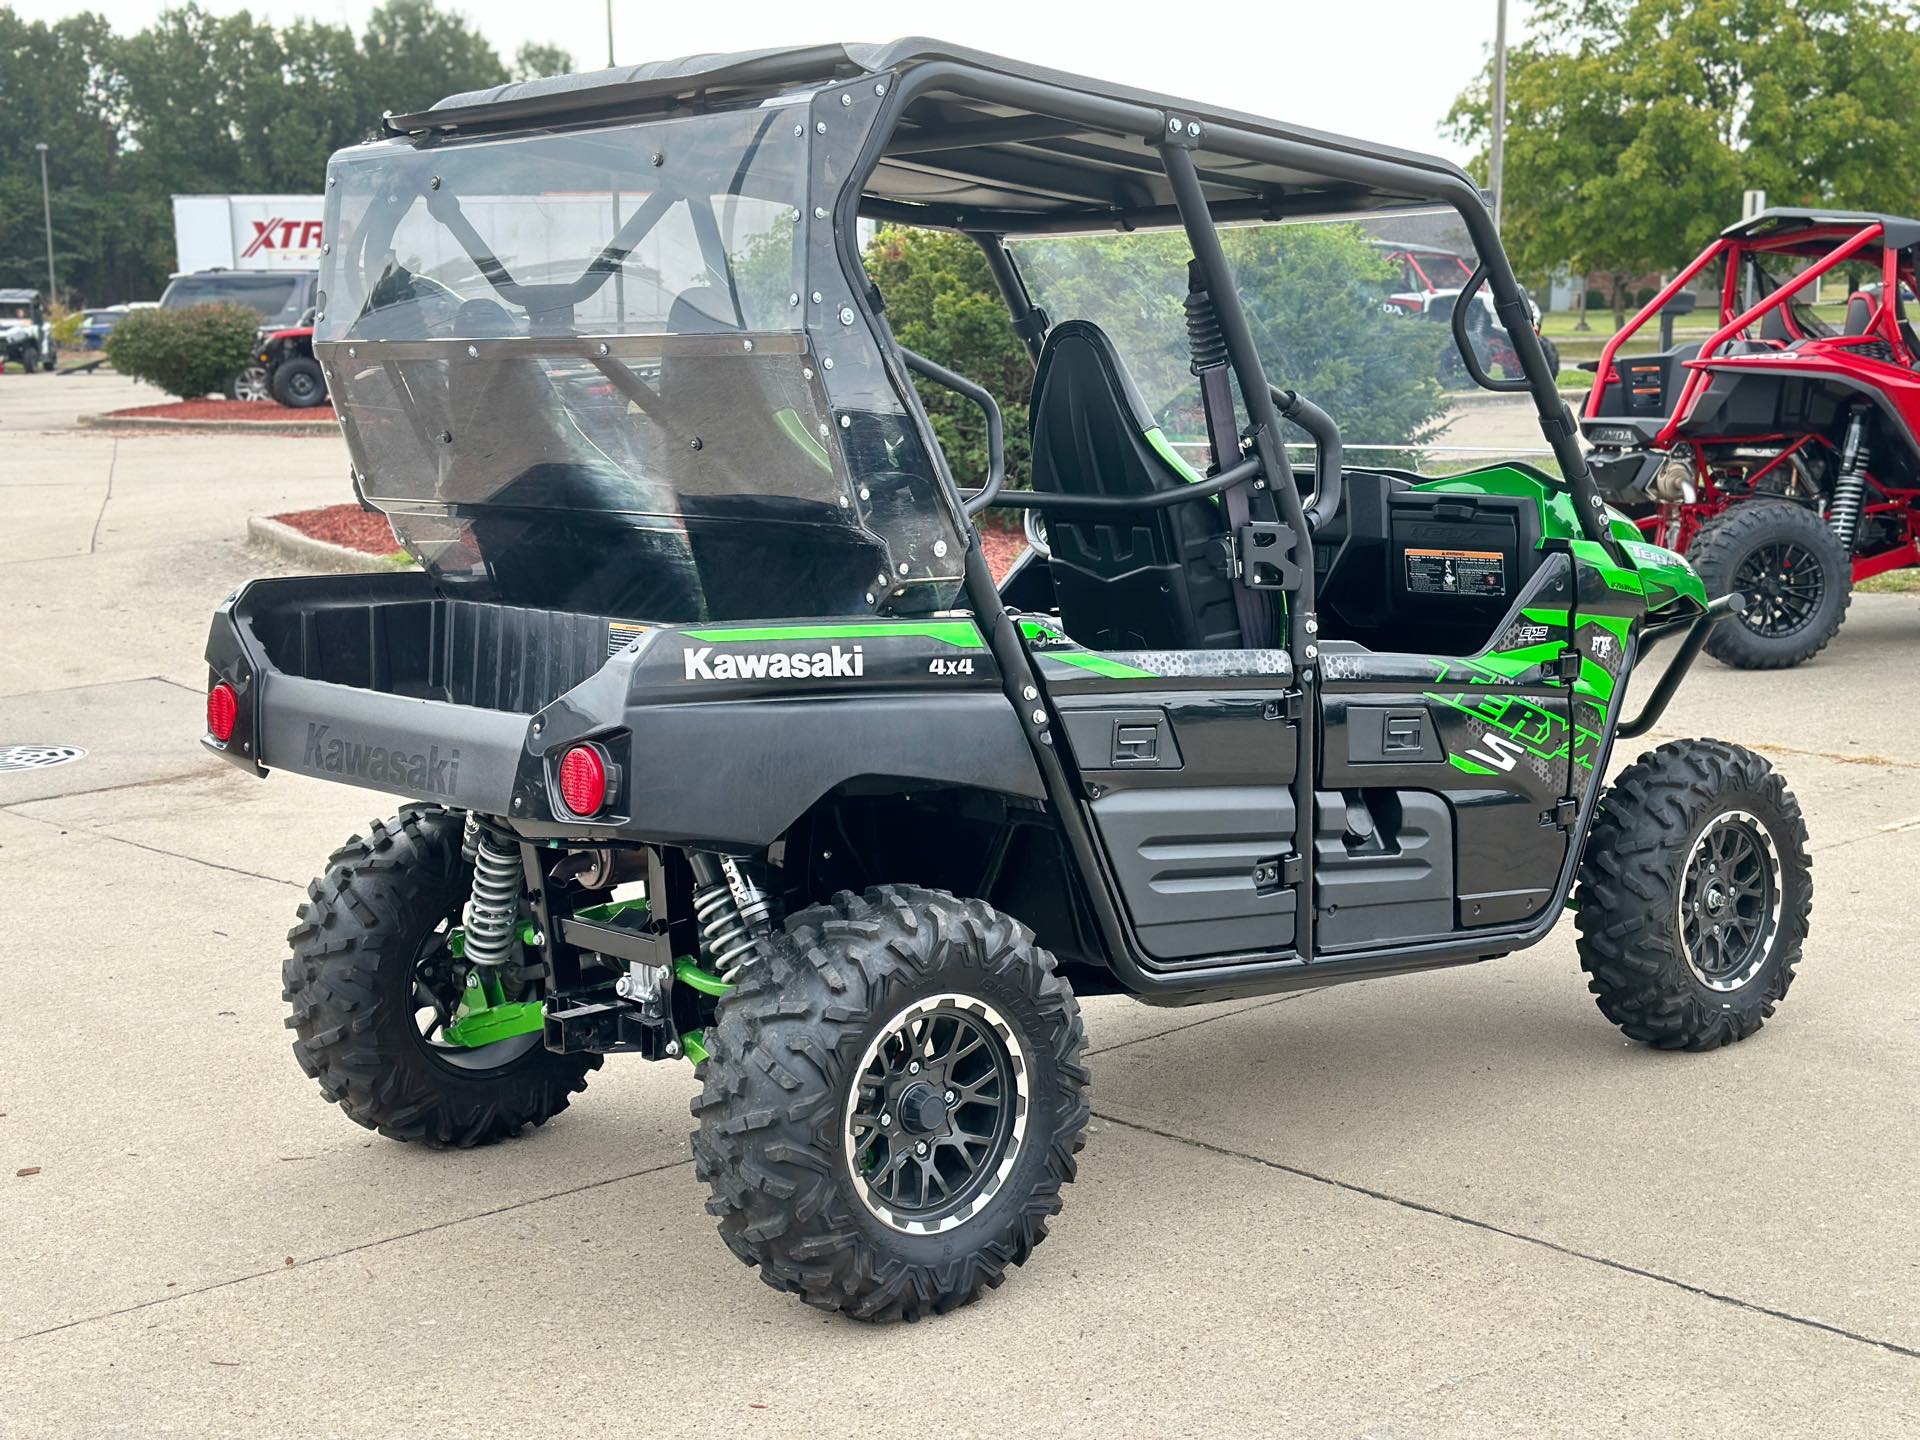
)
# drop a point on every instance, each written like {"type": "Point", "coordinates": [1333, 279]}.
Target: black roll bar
{"type": "Point", "coordinates": [1047, 501]}
{"type": "Point", "coordinates": [1680, 664]}
{"type": "Point", "coordinates": [973, 501]}
{"type": "Point", "coordinates": [1328, 455]}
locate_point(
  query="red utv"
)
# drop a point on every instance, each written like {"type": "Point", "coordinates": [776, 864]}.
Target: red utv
{"type": "Point", "coordinates": [1780, 454]}
{"type": "Point", "coordinates": [293, 376]}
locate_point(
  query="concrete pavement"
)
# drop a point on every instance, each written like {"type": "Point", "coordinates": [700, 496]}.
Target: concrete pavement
{"type": "Point", "coordinates": [1450, 1205]}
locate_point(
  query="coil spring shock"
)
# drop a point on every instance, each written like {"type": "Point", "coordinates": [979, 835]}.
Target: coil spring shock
{"type": "Point", "coordinates": [1850, 490]}
{"type": "Point", "coordinates": [493, 910]}
{"type": "Point", "coordinates": [733, 912]}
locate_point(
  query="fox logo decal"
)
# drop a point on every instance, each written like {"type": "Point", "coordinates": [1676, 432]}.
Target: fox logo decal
{"type": "Point", "coordinates": [421, 772]}
{"type": "Point", "coordinates": [835, 664]}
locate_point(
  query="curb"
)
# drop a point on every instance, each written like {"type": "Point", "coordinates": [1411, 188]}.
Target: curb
{"type": "Point", "coordinates": [285, 540]}
{"type": "Point", "coordinates": [1466, 399]}
{"type": "Point", "coordinates": [152, 423]}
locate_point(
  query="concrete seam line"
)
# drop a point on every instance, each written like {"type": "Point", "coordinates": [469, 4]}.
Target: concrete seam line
{"type": "Point", "coordinates": [1204, 1020]}
{"type": "Point", "coordinates": [113, 462]}
{"type": "Point", "coordinates": [98, 834]}
{"type": "Point", "coordinates": [1421, 1208]}
{"type": "Point", "coordinates": [353, 1249]}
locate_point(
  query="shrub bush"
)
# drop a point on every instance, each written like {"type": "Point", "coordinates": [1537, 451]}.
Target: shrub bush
{"type": "Point", "coordinates": [66, 325]}
{"type": "Point", "coordinates": [188, 353]}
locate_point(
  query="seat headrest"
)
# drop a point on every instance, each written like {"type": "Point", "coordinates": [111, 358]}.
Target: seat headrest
{"type": "Point", "coordinates": [1082, 345]}
{"type": "Point", "coordinates": [1859, 314]}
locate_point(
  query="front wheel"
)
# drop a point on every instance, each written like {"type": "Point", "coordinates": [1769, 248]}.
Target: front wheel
{"type": "Point", "coordinates": [893, 1099]}
{"type": "Point", "coordinates": [1795, 574]}
{"type": "Point", "coordinates": [251, 385]}
{"type": "Point", "coordinates": [1695, 888]}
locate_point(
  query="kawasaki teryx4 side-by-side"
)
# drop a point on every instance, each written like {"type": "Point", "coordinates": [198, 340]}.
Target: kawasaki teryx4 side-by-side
{"type": "Point", "coordinates": [1780, 455]}
{"type": "Point", "coordinates": [719, 739]}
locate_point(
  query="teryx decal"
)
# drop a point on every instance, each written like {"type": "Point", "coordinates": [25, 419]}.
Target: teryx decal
{"type": "Point", "coordinates": [837, 663]}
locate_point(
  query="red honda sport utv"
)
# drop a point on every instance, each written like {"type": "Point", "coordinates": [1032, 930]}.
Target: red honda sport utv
{"type": "Point", "coordinates": [1780, 454]}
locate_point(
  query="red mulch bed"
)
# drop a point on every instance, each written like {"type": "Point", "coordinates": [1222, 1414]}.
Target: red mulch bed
{"type": "Point", "coordinates": [263, 412]}
{"type": "Point", "coordinates": [364, 530]}
{"type": "Point", "coordinates": [346, 525]}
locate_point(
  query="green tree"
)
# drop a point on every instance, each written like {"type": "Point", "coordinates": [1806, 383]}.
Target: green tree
{"type": "Point", "coordinates": [1633, 126]}
{"type": "Point", "coordinates": [417, 53]}
{"type": "Point", "coordinates": [941, 302]}
{"type": "Point", "coordinates": [534, 61]}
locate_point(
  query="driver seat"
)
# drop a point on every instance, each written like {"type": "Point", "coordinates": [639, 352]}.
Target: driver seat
{"type": "Point", "coordinates": [1124, 579]}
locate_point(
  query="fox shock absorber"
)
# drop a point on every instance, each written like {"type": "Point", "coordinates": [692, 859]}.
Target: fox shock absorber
{"type": "Point", "coordinates": [493, 909]}
{"type": "Point", "coordinates": [731, 908]}
{"type": "Point", "coordinates": [1850, 489]}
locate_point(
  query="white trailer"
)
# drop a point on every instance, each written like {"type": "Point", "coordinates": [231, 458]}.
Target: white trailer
{"type": "Point", "coordinates": [247, 232]}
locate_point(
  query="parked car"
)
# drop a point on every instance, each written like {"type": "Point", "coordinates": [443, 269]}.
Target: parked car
{"type": "Point", "coordinates": [280, 297]}
{"type": "Point", "coordinates": [99, 323]}
{"type": "Point", "coordinates": [26, 335]}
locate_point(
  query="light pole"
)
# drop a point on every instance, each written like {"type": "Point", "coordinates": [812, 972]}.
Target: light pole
{"type": "Point", "coordinates": [609, 34]}
{"type": "Point", "coordinates": [1497, 154]}
{"type": "Point", "coordinates": [46, 211]}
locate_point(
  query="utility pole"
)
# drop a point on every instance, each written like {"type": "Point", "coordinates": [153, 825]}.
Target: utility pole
{"type": "Point", "coordinates": [609, 34]}
{"type": "Point", "coordinates": [46, 211]}
{"type": "Point", "coordinates": [1497, 155]}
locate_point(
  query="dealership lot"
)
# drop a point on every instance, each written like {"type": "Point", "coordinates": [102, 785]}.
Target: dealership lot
{"type": "Point", "coordinates": [1453, 1204]}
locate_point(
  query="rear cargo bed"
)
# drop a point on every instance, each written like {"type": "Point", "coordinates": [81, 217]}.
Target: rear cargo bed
{"type": "Point", "coordinates": [392, 634]}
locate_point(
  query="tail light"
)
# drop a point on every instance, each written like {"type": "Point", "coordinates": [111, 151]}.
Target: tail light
{"type": "Point", "coordinates": [583, 780]}
{"type": "Point", "coordinates": [223, 708]}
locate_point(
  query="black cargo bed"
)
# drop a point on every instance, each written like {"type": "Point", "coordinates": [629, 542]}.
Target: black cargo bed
{"type": "Point", "coordinates": [395, 635]}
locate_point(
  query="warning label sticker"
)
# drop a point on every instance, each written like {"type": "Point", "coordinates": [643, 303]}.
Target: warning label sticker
{"type": "Point", "coordinates": [1456, 572]}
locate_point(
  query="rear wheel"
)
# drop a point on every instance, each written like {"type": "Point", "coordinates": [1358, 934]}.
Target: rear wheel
{"type": "Point", "coordinates": [251, 385]}
{"type": "Point", "coordinates": [30, 359]}
{"type": "Point", "coordinates": [373, 984]}
{"type": "Point", "coordinates": [893, 1100]}
{"type": "Point", "coordinates": [299, 383]}
{"type": "Point", "coordinates": [1695, 889]}
{"type": "Point", "coordinates": [1796, 576]}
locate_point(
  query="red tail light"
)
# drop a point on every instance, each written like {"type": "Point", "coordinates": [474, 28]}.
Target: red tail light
{"type": "Point", "coordinates": [223, 708]}
{"type": "Point", "coordinates": [583, 779]}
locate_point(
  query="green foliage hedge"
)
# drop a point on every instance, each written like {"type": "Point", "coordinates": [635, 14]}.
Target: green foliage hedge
{"type": "Point", "coordinates": [188, 353]}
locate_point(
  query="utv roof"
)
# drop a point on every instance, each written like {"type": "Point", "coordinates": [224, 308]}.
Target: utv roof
{"type": "Point", "coordinates": [1783, 223]}
{"type": "Point", "coordinates": [959, 158]}
{"type": "Point", "coordinates": [16, 297]}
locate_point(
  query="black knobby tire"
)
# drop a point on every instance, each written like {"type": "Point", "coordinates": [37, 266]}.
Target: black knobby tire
{"type": "Point", "coordinates": [350, 981]}
{"type": "Point", "coordinates": [299, 383]}
{"type": "Point", "coordinates": [1646, 880]}
{"type": "Point", "coordinates": [1750, 548]}
{"type": "Point", "coordinates": [51, 362]}
{"type": "Point", "coordinates": [788, 1048]}
{"type": "Point", "coordinates": [30, 359]}
{"type": "Point", "coordinates": [1552, 353]}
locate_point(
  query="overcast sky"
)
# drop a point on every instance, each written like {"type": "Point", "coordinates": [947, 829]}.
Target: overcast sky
{"type": "Point", "coordinates": [1379, 69]}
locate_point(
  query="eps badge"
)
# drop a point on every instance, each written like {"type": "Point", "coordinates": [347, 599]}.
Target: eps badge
{"type": "Point", "coordinates": [950, 667]}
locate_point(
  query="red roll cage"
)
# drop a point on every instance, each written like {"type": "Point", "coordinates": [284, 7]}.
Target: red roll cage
{"type": "Point", "coordinates": [1830, 244]}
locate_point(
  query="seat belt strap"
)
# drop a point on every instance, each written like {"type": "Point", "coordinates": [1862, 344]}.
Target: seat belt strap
{"type": "Point", "coordinates": [1216, 394]}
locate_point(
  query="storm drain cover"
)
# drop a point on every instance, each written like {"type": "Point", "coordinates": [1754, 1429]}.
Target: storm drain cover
{"type": "Point", "coordinates": [37, 757]}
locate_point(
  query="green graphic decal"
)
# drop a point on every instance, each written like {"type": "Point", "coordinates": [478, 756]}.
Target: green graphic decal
{"type": "Point", "coordinates": [795, 429]}
{"type": "Point", "coordinates": [962, 633]}
{"type": "Point", "coordinates": [1101, 665]}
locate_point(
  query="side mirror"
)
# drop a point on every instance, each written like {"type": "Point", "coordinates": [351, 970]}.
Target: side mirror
{"type": "Point", "coordinates": [307, 316]}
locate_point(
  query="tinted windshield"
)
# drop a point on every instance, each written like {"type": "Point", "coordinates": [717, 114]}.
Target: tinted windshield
{"type": "Point", "coordinates": [572, 367]}
{"type": "Point", "coordinates": [266, 295]}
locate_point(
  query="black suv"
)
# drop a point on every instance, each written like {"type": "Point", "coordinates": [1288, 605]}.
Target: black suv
{"type": "Point", "coordinates": [280, 297]}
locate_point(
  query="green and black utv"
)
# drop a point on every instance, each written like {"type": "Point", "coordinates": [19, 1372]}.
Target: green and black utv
{"type": "Point", "coordinates": [720, 740]}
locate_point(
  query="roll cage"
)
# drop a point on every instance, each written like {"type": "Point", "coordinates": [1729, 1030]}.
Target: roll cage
{"type": "Point", "coordinates": [1830, 239]}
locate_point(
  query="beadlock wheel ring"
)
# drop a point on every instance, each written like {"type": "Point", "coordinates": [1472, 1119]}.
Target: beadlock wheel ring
{"type": "Point", "coordinates": [961, 1049]}
{"type": "Point", "coordinates": [1728, 910]}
